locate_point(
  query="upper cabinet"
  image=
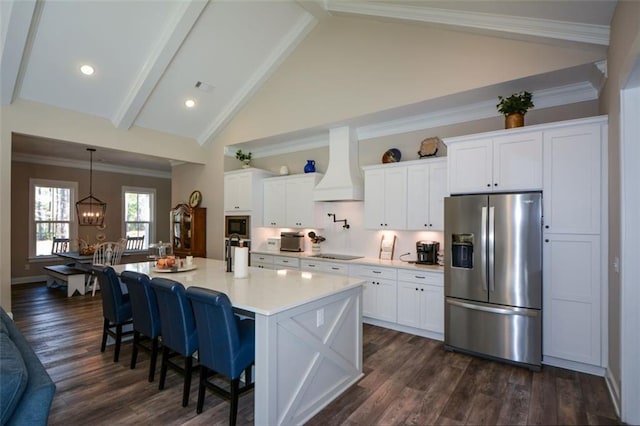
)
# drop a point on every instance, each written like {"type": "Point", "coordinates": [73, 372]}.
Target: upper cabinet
{"type": "Point", "coordinates": [495, 162]}
{"type": "Point", "coordinates": [243, 190]}
{"type": "Point", "coordinates": [572, 179]}
{"type": "Point", "coordinates": [288, 201]}
{"type": "Point", "coordinates": [426, 190]}
{"type": "Point", "coordinates": [385, 197]}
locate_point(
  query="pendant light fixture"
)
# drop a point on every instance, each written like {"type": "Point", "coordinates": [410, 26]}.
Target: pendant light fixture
{"type": "Point", "coordinates": [91, 211]}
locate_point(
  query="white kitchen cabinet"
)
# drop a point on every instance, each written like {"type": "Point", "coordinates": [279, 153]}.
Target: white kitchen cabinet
{"type": "Point", "coordinates": [288, 202]}
{"type": "Point", "coordinates": [572, 328]}
{"type": "Point", "coordinates": [572, 179]}
{"type": "Point", "coordinates": [379, 295]}
{"type": "Point", "coordinates": [426, 190]}
{"type": "Point", "coordinates": [274, 203]}
{"type": "Point", "coordinates": [421, 300]}
{"type": "Point", "coordinates": [243, 192]}
{"type": "Point", "coordinates": [264, 261]}
{"type": "Point", "coordinates": [286, 262]}
{"type": "Point", "coordinates": [314, 265]}
{"type": "Point", "coordinates": [385, 197]}
{"type": "Point", "coordinates": [495, 162]}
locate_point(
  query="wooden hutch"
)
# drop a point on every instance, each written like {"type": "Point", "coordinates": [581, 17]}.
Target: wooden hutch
{"type": "Point", "coordinates": [189, 231]}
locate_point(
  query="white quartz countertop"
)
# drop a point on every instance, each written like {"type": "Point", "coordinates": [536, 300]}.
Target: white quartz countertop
{"type": "Point", "coordinates": [264, 291]}
{"type": "Point", "coordinates": [361, 261]}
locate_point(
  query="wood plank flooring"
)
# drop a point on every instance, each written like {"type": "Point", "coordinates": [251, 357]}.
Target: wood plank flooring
{"type": "Point", "coordinates": [408, 380]}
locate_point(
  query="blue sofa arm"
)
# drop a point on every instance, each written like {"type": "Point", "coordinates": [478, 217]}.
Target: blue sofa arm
{"type": "Point", "coordinates": [33, 404]}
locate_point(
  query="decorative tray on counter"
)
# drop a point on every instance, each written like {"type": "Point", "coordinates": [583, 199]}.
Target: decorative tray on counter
{"type": "Point", "coordinates": [175, 269]}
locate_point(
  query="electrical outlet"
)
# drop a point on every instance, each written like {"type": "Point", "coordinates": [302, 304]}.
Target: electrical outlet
{"type": "Point", "coordinates": [320, 317]}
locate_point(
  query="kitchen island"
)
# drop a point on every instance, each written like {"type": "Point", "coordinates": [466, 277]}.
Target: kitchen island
{"type": "Point", "coordinates": [308, 333]}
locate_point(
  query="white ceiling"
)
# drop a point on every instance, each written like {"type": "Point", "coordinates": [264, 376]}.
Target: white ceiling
{"type": "Point", "coordinates": [149, 55]}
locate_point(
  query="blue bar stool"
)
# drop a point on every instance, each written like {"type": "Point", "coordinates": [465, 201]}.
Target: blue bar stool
{"type": "Point", "coordinates": [227, 346]}
{"type": "Point", "coordinates": [146, 318]}
{"type": "Point", "coordinates": [116, 307]}
{"type": "Point", "coordinates": [178, 327]}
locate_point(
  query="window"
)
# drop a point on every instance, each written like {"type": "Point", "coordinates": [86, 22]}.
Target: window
{"type": "Point", "coordinates": [139, 213]}
{"type": "Point", "coordinates": [52, 214]}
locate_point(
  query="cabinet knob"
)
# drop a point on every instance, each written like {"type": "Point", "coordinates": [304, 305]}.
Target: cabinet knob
{"type": "Point", "coordinates": [488, 185]}
{"type": "Point", "coordinates": [425, 224]}
{"type": "Point", "coordinates": [416, 288]}
{"type": "Point", "coordinates": [495, 184]}
{"type": "Point", "coordinates": [546, 241]}
{"type": "Point", "coordinates": [422, 289]}
{"type": "Point", "coordinates": [546, 226]}
{"type": "Point", "coordinates": [430, 225]}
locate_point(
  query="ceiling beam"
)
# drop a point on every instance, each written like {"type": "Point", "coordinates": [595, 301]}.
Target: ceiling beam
{"type": "Point", "coordinates": [262, 73]}
{"type": "Point", "coordinates": [158, 61]}
{"type": "Point", "coordinates": [14, 43]}
{"type": "Point", "coordinates": [506, 24]}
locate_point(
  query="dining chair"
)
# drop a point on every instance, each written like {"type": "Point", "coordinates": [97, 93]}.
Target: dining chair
{"type": "Point", "coordinates": [116, 307]}
{"type": "Point", "coordinates": [226, 346]}
{"type": "Point", "coordinates": [146, 318]}
{"type": "Point", "coordinates": [60, 245]}
{"type": "Point", "coordinates": [178, 328]}
{"type": "Point", "coordinates": [108, 253]}
{"type": "Point", "coordinates": [135, 243]}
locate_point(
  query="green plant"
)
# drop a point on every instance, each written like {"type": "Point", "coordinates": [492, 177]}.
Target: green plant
{"type": "Point", "coordinates": [516, 103]}
{"type": "Point", "coordinates": [242, 156]}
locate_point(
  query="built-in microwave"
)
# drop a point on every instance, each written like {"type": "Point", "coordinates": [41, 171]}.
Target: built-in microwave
{"type": "Point", "coordinates": [239, 225]}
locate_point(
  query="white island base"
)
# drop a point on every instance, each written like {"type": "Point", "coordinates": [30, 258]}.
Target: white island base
{"type": "Point", "coordinates": [313, 354]}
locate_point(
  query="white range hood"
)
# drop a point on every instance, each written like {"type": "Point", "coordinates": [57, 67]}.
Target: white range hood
{"type": "Point", "coordinates": [343, 179]}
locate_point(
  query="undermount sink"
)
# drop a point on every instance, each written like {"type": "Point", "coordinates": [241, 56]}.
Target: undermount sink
{"type": "Point", "coordinates": [336, 256]}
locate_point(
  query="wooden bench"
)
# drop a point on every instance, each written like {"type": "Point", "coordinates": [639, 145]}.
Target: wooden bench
{"type": "Point", "coordinates": [67, 275]}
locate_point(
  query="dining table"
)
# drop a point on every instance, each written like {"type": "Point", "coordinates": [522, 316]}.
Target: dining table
{"type": "Point", "coordinates": [308, 342]}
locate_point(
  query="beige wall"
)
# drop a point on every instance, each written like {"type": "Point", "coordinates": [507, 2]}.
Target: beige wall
{"type": "Point", "coordinates": [350, 67]}
{"type": "Point", "coordinates": [624, 51]}
{"type": "Point", "coordinates": [106, 186]}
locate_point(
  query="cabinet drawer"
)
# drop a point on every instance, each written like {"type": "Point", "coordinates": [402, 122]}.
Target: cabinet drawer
{"type": "Point", "coordinates": [374, 272]}
{"type": "Point", "coordinates": [324, 267]}
{"type": "Point", "coordinates": [287, 262]}
{"type": "Point", "coordinates": [261, 258]}
{"type": "Point", "coordinates": [421, 277]}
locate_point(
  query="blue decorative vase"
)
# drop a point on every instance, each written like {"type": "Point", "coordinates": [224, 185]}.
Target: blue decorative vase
{"type": "Point", "coordinates": [310, 167]}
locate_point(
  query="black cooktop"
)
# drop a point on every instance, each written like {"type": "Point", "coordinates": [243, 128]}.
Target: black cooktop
{"type": "Point", "coordinates": [336, 256]}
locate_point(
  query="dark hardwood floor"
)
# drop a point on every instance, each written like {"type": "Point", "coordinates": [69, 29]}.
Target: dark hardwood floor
{"type": "Point", "coordinates": [408, 380]}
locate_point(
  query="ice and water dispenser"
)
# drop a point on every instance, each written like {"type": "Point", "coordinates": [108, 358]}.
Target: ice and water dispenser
{"type": "Point", "coordinates": [462, 251]}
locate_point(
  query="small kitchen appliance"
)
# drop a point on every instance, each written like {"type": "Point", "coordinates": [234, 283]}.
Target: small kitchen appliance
{"type": "Point", "coordinates": [238, 225]}
{"type": "Point", "coordinates": [273, 244]}
{"type": "Point", "coordinates": [291, 241]}
{"type": "Point", "coordinates": [427, 252]}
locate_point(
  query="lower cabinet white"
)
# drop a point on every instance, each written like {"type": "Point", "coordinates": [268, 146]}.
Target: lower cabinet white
{"type": "Point", "coordinates": [324, 267]}
{"type": "Point", "coordinates": [572, 298]}
{"type": "Point", "coordinates": [421, 300]}
{"type": "Point", "coordinates": [379, 292]}
{"type": "Point", "coordinates": [269, 261]}
{"type": "Point", "coordinates": [262, 260]}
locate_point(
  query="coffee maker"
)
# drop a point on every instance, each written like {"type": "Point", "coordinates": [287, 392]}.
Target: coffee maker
{"type": "Point", "coordinates": [427, 252]}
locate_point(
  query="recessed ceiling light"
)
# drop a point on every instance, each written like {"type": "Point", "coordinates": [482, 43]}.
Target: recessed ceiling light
{"type": "Point", "coordinates": [190, 103]}
{"type": "Point", "coordinates": [86, 69]}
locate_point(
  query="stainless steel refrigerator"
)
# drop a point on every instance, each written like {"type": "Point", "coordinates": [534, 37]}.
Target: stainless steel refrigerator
{"type": "Point", "coordinates": [493, 276]}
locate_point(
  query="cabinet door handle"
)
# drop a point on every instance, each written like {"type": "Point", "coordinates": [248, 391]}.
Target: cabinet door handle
{"type": "Point", "coordinates": [420, 277]}
{"type": "Point", "coordinates": [334, 268]}
{"type": "Point", "coordinates": [377, 272]}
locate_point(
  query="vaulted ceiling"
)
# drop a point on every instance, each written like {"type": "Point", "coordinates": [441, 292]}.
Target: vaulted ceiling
{"type": "Point", "coordinates": [149, 57]}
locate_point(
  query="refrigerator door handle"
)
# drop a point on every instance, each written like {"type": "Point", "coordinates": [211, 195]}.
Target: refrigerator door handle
{"type": "Point", "coordinates": [491, 248]}
{"type": "Point", "coordinates": [483, 247]}
{"type": "Point", "coordinates": [494, 309]}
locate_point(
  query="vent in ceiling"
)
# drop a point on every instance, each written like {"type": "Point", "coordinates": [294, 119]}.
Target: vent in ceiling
{"type": "Point", "coordinates": [205, 87]}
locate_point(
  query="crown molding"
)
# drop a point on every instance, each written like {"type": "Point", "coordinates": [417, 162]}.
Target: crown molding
{"type": "Point", "coordinates": [546, 98]}
{"type": "Point", "coordinates": [77, 164]}
{"type": "Point", "coordinates": [560, 30]}
{"type": "Point", "coordinates": [304, 25]}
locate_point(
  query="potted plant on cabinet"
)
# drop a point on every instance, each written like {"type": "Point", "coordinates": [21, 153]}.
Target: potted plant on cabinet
{"type": "Point", "coordinates": [514, 108]}
{"type": "Point", "coordinates": [245, 158]}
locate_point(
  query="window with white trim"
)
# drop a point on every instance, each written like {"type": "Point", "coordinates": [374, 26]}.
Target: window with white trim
{"type": "Point", "coordinates": [139, 213]}
{"type": "Point", "coordinates": [51, 214]}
